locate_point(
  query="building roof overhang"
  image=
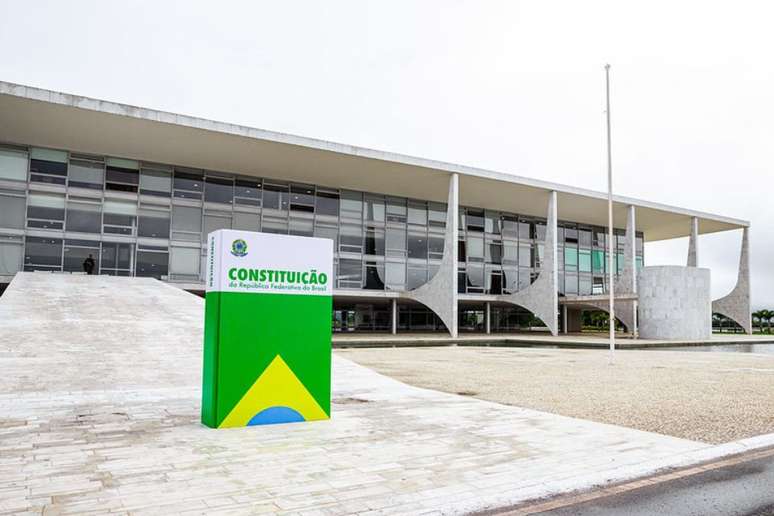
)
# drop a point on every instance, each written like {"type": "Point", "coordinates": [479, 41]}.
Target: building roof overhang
{"type": "Point", "coordinates": [39, 117]}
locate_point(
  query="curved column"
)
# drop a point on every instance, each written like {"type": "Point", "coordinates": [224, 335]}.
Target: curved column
{"type": "Point", "coordinates": [541, 297]}
{"type": "Point", "coordinates": [439, 294]}
{"type": "Point", "coordinates": [736, 305]}
{"type": "Point", "coordinates": [626, 311]}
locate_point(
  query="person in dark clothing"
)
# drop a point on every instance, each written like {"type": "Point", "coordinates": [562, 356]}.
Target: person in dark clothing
{"type": "Point", "coordinates": [88, 265]}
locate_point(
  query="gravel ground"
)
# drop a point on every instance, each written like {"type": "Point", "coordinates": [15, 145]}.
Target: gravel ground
{"type": "Point", "coordinates": [708, 397]}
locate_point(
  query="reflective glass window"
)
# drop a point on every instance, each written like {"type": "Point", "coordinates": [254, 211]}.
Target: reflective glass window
{"type": "Point", "coordinates": [302, 198]}
{"type": "Point", "coordinates": [48, 166]}
{"type": "Point", "coordinates": [374, 208]}
{"type": "Point", "coordinates": [350, 273]}
{"type": "Point", "coordinates": [327, 203]}
{"type": "Point", "coordinates": [122, 174]}
{"type": "Point", "coordinates": [492, 222]}
{"type": "Point", "coordinates": [153, 223]}
{"type": "Point", "coordinates": [417, 245]}
{"type": "Point", "coordinates": [86, 174]}
{"type": "Point", "coordinates": [184, 261]}
{"type": "Point", "coordinates": [351, 238]}
{"type": "Point", "coordinates": [12, 211]}
{"type": "Point", "coordinates": [395, 242]}
{"type": "Point", "coordinates": [45, 211]}
{"type": "Point", "coordinates": [475, 248]}
{"type": "Point", "coordinates": [301, 226]}
{"type": "Point", "coordinates": [13, 164]}
{"type": "Point", "coordinates": [152, 262]}
{"type": "Point", "coordinates": [416, 277]}
{"type": "Point", "coordinates": [435, 246]}
{"type": "Point", "coordinates": [474, 220]}
{"type": "Point", "coordinates": [247, 191]}
{"type": "Point", "coordinates": [43, 254]}
{"type": "Point", "coordinates": [436, 214]}
{"type": "Point", "coordinates": [187, 218]}
{"type": "Point", "coordinates": [570, 258]}
{"type": "Point", "coordinates": [119, 217]}
{"type": "Point", "coordinates": [77, 251]}
{"type": "Point", "coordinates": [218, 189]}
{"type": "Point", "coordinates": [395, 275]}
{"type": "Point", "coordinates": [374, 241]}
{"type": "Point", "coordinates": [584, 260]}
{"type": "Point", "coordinates": [374, 272]}
{"type": "Point", "coordinates": [494, 252]}
{"type": "Point", "coordinates": [84, 217]}
{"type": "Point", "coordinates": [396, 209]}
{"type": "Point", "coordinates": [188, 184]}
{"type": "Point", "coordinates": [275, 196]}
{"type": "Point", "coordinates": [155, 182]}
{"type": "Point", "coordinates": [417, 213]}
{"type": "Point", "coordinates": [11, 254]}
{"type": "Point", "coordinates": [351, 205]}
{"type": "Point", "coordinates": [214, 221]}
{"type": "Point", "coordinates": [247, 221]}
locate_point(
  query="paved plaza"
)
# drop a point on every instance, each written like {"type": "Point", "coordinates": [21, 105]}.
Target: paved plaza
{"type": "Point", "coordinates": [99, 408]}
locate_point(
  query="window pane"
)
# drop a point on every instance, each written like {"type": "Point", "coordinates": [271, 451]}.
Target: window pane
{"type": "Point", "coordinates": [12, 211]}
{"type": "Point", "coordinates": [219, 190]}
{"type": "Point", "coordinates": [570, 258]}
{"type": "Point", "coordinates": [351, 238]}
{"type": "Point", "coordinates": [214, 222]}
{"type": "Point", "coordinates": [395, 274]}
{"type": "Point", "coordinates": [395, 242]}
{"type": "Point", "coordinates": [43, 254]}
{"type": "Point", "coordinates": [350, 273]}
{"type": "Point", "coordinates": [584, 261]}
{"type": "Point", "coordinates": [417, 245]}
{"type": "Point", "coordinates": [417, 213]}
{"type": "Point", "coordinates": [495, 253]}
{"type": "Point", "coordinates": [187, 185]}
{"type": "Point", "coordinates": [374, 206]}
{"type": "Point", "coordinates": [45, 211]}
{"type": "Point", "coordinates": [184, 261]}
{"type": "Point", "coordinates": [153, 223]}
{"type": "Point", "coordinates": [351, 205]}
{"type": "Point", "coordinates": [301, 226]}
{"type": "Point", "coordinates": [374, 241]}
{"type": "Point", "coordinates": [474, 220]}
{"type": "Point", "coordinates": [155, 182]}
{"type": "Point", "coordinates": [329, 232]}
{"type": "Point", "coordinates": [435, 244]}
{"type": "Point", "coordinates": [152, 264]}
{"type": "Point", "coordinates": [302, 198]}
{"type": "Point", "coordinates": [396, 209]}
{"type": "Point", "coordinates": [76, 252]}
{"type": "Point", "coordinates": [274, 225]}
{"type": "Point", "coordinates": [86, 174]}
{"type": "Point", "coordinates": [83, 217]}
{"type": "Point", "coordinates": [417, 276]}
{"type": "Point", "coordinates": [247, 221]}
{"type": "Point", "coordinates": [475, 248]}
{"type": "Point", "coordinates": [186, 218]}
{"type": "Point", "coordinates": [13, 165]}
{"type": "Point", "coordinates": [374, 272]}
{"type": "Point", "coordinates": [436, 214]}
{"type": "Point", "coordinates": [275, 197]}
{"type": "Point", "coordinates": [247, 192]}
{"type": "Point", "coordinates": [115, 177]}
{"type": "Point", "coordinates": [11, 255]}
{"type": "Point", "coordinates": [327, 203]}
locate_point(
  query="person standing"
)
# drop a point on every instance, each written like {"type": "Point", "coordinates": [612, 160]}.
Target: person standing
{"type": "Point", "coordinates": [88, 265]}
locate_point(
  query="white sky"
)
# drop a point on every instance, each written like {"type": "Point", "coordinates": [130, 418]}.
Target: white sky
{"type": "Point", "coordinates": [512, 86]}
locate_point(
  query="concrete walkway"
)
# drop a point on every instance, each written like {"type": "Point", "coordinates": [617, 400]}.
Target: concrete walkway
{"type": "Point", "coordinates": [99, 408]}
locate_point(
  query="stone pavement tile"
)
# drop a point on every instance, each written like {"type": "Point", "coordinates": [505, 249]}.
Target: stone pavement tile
{"type": "Point", "coordinates": [111, 427]}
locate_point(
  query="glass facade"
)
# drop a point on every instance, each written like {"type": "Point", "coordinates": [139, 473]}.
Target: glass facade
{"type": "Point", "coordinates": [149, 219]}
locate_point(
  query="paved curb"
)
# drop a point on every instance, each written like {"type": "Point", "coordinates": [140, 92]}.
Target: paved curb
{"type": "Point", "coordinates": [525, 494]}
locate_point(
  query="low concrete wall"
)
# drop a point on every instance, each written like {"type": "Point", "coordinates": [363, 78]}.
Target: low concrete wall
{"type": "Point", "coordinates": [675, 303]}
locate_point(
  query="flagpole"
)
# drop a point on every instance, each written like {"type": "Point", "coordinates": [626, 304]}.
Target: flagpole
{"type": "Point", "coordinates": [610, 235]}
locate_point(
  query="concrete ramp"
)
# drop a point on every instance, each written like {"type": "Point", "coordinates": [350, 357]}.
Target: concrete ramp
{"type": "Point", "coordinates": [100, 332]}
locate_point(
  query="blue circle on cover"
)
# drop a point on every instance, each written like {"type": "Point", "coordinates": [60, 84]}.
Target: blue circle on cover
{"type": "Point", "coordinates": [275, 415]}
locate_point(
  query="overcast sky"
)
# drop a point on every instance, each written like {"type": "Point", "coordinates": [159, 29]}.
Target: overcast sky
{"type": "Point", "coordinates": [511, 86]}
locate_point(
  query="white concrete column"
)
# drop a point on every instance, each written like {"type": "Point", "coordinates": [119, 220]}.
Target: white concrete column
{"type": "Point", "coordinates": [564, 318]}
{"type": "Point", "coordinates": [488, 318]}
{"type": "Point", "coordinates": [394, 306]}
{"type": "Point", "coordinates": [693, 243]}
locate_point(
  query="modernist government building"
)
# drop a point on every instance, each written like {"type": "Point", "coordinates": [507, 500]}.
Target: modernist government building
{"type": "Point", "coordinates": [420, 245]}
